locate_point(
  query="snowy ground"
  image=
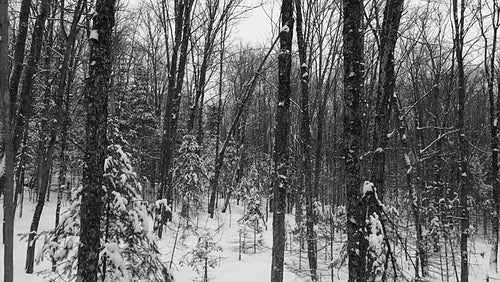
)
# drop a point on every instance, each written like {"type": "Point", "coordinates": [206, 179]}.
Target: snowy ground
{"type": "Point", "coordinates": [253, 266]}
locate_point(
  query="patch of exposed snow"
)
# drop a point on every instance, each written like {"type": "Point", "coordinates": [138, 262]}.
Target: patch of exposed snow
{"type": "Point", "coordinates": [285, 29]}
{"type": "Point", "coordinates": [368, 187]}
{"type": "Point", "coordinates": [94, 34]}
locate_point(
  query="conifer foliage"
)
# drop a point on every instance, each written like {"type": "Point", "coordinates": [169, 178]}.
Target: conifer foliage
{"type": "Point", "coordinates": [129, 251]}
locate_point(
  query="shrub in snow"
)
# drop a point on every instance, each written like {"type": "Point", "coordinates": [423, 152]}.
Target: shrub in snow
{"type": "Point", "coordinates": [202, 256]}
{"type": "Point", "coordinates": [190, 176]}
{"type": "Point", "coordinates": [251, 191]}
{"type": "Point", "coordinates": [129, 252]}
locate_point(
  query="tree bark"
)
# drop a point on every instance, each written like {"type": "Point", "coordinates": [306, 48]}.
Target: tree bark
{"type": "Point", "coordinates": [96, 91]}
{"type": "Point", "coordinates": [353, 51]}
{"type": "Point", "coordinates": [175, 79]}
{"type": "Point", "coordinates": [26, 93]}
{"type": "Point", "coordinates": [458, 20]}
{"type": "Point", "coordinates": [489, 68]}
{"type": "Point", "coordinates": [305, 132]}
{"type": "Point", "coordinates": [7, 156]}
{"type": "Point", "coordinates": [19, 50]}
{"type": "Point", "coordinates": [281, 135]}
{"type": "Point", "coordinates": [385, 90]}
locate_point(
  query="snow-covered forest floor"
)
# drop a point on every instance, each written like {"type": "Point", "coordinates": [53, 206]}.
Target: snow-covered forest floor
{"type": "Point", "coordinates": [224, 264]}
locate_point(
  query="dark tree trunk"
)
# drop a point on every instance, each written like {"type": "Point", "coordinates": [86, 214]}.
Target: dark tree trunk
{"type": "Point", "coordinates": [55, 119]}
{"type": "Point", "coordinates": [489, 67]}
{"type": "Point", "coordinates": [43, 174]}
{"type": "Point", "coordinates": [63, 168]}
{"type": "Point", "coordinates": [385, 90]}
{"type": "Point", "coordinates": [26, 93]}
{"type": "Point", "coordinates": [458, 20]}
{"type": "Point", "coordinates": [19, 50]}
{"type": "Point", "coordinates": [200, 82]}
{"type": "Point", "coordinates": [281, 136]}
{"type": "Point", "coordinates": [353, 91]}
{"type": "Point", "coordinates": [410, 172]}
{"type": "Point", "coordinates": [47, 143]}
{"type": "Point", "coordinates": [6, 151]}
{"type": "Point", "coordinates": [20, 172]}
{"type": "Point", "coordinates": [305, 132]}
{"type": "Point", "coordinates": [96, 101]}
{"type": "Point", "coordinates": [175, 79]}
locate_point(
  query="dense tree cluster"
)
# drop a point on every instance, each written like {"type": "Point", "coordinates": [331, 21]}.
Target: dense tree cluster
{"type": "Point", "coordinates": [375, 120]}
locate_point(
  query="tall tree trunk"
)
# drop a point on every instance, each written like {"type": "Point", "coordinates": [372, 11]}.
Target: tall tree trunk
{"type": "Point", "coordinates": [55, 118]}
{"type": "Point", "coordinates": [176, 77]}
{"type": "Point", "coordinates": [6, 151]}
{"type": "Point", "coordinates": [19, 49]}
{"type": "Point", "coordinates": [305, 132]}
{"type": "Point", "coordinates": [458, 20]}
{"type": "Point", "coordinates": [26, 92]}
{"type": "Point", "coordinates": [96, 90]}
{"type": "Point", "coordinates": [353, 51]}
{"type": "Point", "coordinates": [63, 168]}
{"type": "Point", "coordinates": [20, 172]}
{"type": "Point", "coordinates": [281, 136]}
{"type": "Point", "coordinates": [385, 90]}
{"type": "Point", "coordinates": [43, 174]}
{"type": "Point", "coordinates": [62, 98]}
{"type": "Point", "coordinates": [200, 82]}
{"type": "Point", "coordinates": [489, 68]}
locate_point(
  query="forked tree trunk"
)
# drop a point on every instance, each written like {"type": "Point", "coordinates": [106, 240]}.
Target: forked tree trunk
{"type": "Point", "coordinates": [175, 80]}
{"type": "Point", "coordinates": [385, 90]}
{"type": "Point", "coordinates": [26, 92]}
{"type": "Point", "coordinates": [305, 132]}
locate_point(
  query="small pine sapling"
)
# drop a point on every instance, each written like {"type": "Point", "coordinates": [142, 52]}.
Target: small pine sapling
{"type": "Point", "coordinates": [129, 251]}
{"type": "Point", "coordinates": [203, 256]}
{"type": "Point", "coordinates": [190, 176]}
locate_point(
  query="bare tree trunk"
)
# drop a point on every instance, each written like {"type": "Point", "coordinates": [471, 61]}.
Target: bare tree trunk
{"type": "Point", "coordinates": [353, 91]}
{"type": "Point", "coordinates": [489, 68]}
{"type": "Point", "coordinates": [19, 50]}
{"type": "Point", "coordinates": [63, 167]}
{"type": "Point", "coordinates": [385, 90]}
{"type": "Point", "coordinates": [305, 132]}
{"type": "Point", "coordinates": [43, 174]}
{"type": "Point", "coordinates": [458, 20]}
{"type": "Point", "coordinates": [26, 92]}
{"type": "Point", "coordinates": [176, 77]}
{"type": "Point", "coordinates": [96, 90]}
{"type": "Point", "coordinates": [281, 155]}
{"type": "Point", "coordinates": [6, 151]}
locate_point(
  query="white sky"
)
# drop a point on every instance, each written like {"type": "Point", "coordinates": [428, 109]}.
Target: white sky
{"type": "Point", "coordinates": [256, 27]}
